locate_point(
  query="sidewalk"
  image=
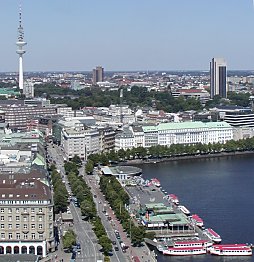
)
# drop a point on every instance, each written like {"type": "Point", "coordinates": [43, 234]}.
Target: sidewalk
{"type": "Point", "coordinates": [143, 252]}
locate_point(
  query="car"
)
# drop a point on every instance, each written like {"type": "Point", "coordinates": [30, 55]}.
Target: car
{"type": "Point", "coordinates": [113, 242]}
{"type": "Point", "coordinates": [116, 248]}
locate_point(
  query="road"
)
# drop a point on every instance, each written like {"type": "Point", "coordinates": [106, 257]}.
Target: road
{"type": "Point", "coordinates": [92, 181]}
{"type": "Point", "coordinates": [88, 241]}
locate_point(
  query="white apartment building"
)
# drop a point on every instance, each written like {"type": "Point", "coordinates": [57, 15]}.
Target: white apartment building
{"type": "Point", "coordinates": [124, 140]}
{"type": "Point", "coordinates": [139, 140]}
{"type": "Point", "coordinates": [80, 141]}
{"type": "Point", "coordinates": [166, 134]}
{"type": "Point", "coordinates": [193, 133]}
{"type": "Point", "coordinates": [26, 217]}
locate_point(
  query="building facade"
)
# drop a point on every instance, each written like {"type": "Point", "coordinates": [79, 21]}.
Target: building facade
{"type": "Point", "coordinates": [98, 74]}
{"type": "Point", "coordinates": [166, 134]}
{"type": "Point", "coordinates": [218, 77]}
{"type": "Point", "coordinates": [26, 217]}
{"type": "Point", "coordinates": [80, 141]}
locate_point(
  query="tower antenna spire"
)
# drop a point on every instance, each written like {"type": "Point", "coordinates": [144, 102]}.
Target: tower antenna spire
{"type": "Point", "coordinates": [20, 51]}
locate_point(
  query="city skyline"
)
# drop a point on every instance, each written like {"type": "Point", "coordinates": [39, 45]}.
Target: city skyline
{"type": "Point", "coordinates": [172, 35]}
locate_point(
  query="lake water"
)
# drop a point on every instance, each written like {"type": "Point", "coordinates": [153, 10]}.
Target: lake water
{"type": "Point", "coordinates": [219, 190]}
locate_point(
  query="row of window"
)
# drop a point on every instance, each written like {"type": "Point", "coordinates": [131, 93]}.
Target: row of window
{"type": "Point", "coordinates": [24, 218]}
{"type": "Point", "coordinates": [24, 236]}
{"type": "Point", "coordinates": [25, 226]}
{"type": "Point", "coordinates": [24, 210]}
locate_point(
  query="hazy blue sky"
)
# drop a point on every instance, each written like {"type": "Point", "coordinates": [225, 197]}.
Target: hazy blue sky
{"type": "Point", "coordinates": [128, 34]}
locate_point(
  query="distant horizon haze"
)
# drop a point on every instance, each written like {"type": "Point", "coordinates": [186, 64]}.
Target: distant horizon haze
{"type": "Point", "coordinates": [165, 35]}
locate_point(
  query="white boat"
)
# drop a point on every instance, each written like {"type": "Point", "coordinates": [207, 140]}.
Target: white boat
{"type": "Point", "coordinates": [161, 248]}
{"type": "Point", "coordinates": [156, 182]}
{"type": "Point", "coordinates": [184, 210]}
{"type": "Point", "coordinates": [184, 251]}
{"type": "Point", "coordinates": [193, 243]}
{"type": "Point", "coordinates": [231, 250]}
{"type": "Point", "coordinates": [197, 220]}
{"type": "Point", "coordinates": [211, 234]}
{"type": "Point", "coordinates": [173, 198]}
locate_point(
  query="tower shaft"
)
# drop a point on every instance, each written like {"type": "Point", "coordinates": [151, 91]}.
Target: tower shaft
{"type": "Point", "coordinates": [20, 51]}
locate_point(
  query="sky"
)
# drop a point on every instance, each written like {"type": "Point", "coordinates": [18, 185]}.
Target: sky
{"type": "Point", "coordinates": [126, 35]}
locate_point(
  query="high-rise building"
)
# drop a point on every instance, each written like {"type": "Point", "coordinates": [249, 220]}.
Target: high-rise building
{"type": "Point", "coordinates": [98, 74]}
{"type": "Point", "coordinates": [28, 89]}
{"type": "Point", "coordinates": [20, 51]}
{"type": "Point", "coordinates": [218, 74]}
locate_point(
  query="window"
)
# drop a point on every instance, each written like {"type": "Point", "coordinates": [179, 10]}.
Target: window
{"type": "Point", "coordinates": [17, 218]}
{"type": "Point", "coordinates": [25, 226]}
{"type": "Point", "coordinates": [2, 235]}
{"type": "Point", "coordinates": [25, 218]}
{"type": "Point", "coordinates": [25, 210]}
{"type": "Point", "coordinates": [40, 226]}
{"type": "Point", "coordinates": [33, 235]}
{"type": "Point", "coordinates": [2, 218]}
{"type": "Point", "coordinates": [9, 226]}
{"type": "Point", "coordinates": [9, 218]}
{"type": "Point", "coordinates": [17, 226]}
{"type": "Point", "coordinates": [40, 210]}
{"type": "Point", "coordinates": [10, 235]}
{"type": "Point", "coordinates": [25, 235]}
{"type": "Point", "coordinates": [32, 218]}
{"type": "Point", "coordinates": [33, 226]}
{"type": "Point", "coordinates": [32, 210]}
{"type": "Point", "coordinates": [9, 210]}
{"type": "Point", "coordinates": [2, 210]}
{"type": "Point", "coordinates": [40, 236]}
{"type": "Point", "coordinates": [2, 226]}
{"type": "Point", "coordinates": [17, 210]}
{"type": "Point", "coordinates": [40, 218]}
{"type": "Point", "coordinates": [18, 236]}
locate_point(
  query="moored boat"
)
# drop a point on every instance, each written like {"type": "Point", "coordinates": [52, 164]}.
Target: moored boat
{"type": "Point", "coordinates": [197, 220]}
{"type": "Point", "coordinates": [211, 234]}
{"type": "Point", "coordinates": [184, 210]}
{"type": "Point", "coordinates": [173, 198]}
{"type": "Point", "coordinates": [184, 251]}
{"type": "Point", "coordinates": [193, 243]}
{"type": "Point", "coordinates": [155, 182]}
{"type": "Point", "coordinates": [231, 250]}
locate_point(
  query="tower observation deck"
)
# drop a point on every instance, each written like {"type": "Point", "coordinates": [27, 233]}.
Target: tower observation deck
{"type": "Point", "coordinates": [20, 51]}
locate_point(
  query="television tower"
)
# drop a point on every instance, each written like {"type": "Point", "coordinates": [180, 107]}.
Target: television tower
{"type": "Point", "coordinates": [20, 51]}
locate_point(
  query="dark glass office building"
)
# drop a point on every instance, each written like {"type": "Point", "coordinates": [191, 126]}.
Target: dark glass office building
{"type": "Point", "coordinates": [218, 73]}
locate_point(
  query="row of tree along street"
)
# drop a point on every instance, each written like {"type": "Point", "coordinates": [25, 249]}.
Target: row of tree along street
{"type": "Point", "coordinates": [167, 152]}
{"type": "Point", "coordinates": [118, 200]}
{"type": "Point", "coordinates": [60, 197]}
{"type": "Point", "coordinates": [88, 208]}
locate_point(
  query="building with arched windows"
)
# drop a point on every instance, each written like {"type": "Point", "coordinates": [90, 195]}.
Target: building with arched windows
{"type": "Point", "coordinates": [26, 217]}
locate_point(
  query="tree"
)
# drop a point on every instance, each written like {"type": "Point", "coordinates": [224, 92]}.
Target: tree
{"type": "Point", "coordinates": [106, 244]}
{"type": "Point", "coordinates": [89, 167]}
{"type": "Point", "coordinates": [137, 235]}
{"type": "Point", "coordinates": [88, 209]}
{"type": "Point", "coordinates": [69, 239]}
{"type": "Point", "coordinates": [60, 201]}
{"type": "Point", "coordinates": [77, 160]}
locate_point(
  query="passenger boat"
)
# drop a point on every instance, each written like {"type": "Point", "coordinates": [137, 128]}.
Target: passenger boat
{"type": "Point", "coordinates": [197, 220]}
{"type": "Point", "coordinates": [173, 198]}
{"type": "Point", "coordinates": [231, 250]}
{"type": "Point", "coordinates": [155, 182]}
{"type": "Point", "coordinates": [184, 210]}
{"type": "Point", "coordinates": [212, 235]}
{"type": "Point", "coordinates": [184, 251]}
{"type": "Point", "coordinates": [193, 243]}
